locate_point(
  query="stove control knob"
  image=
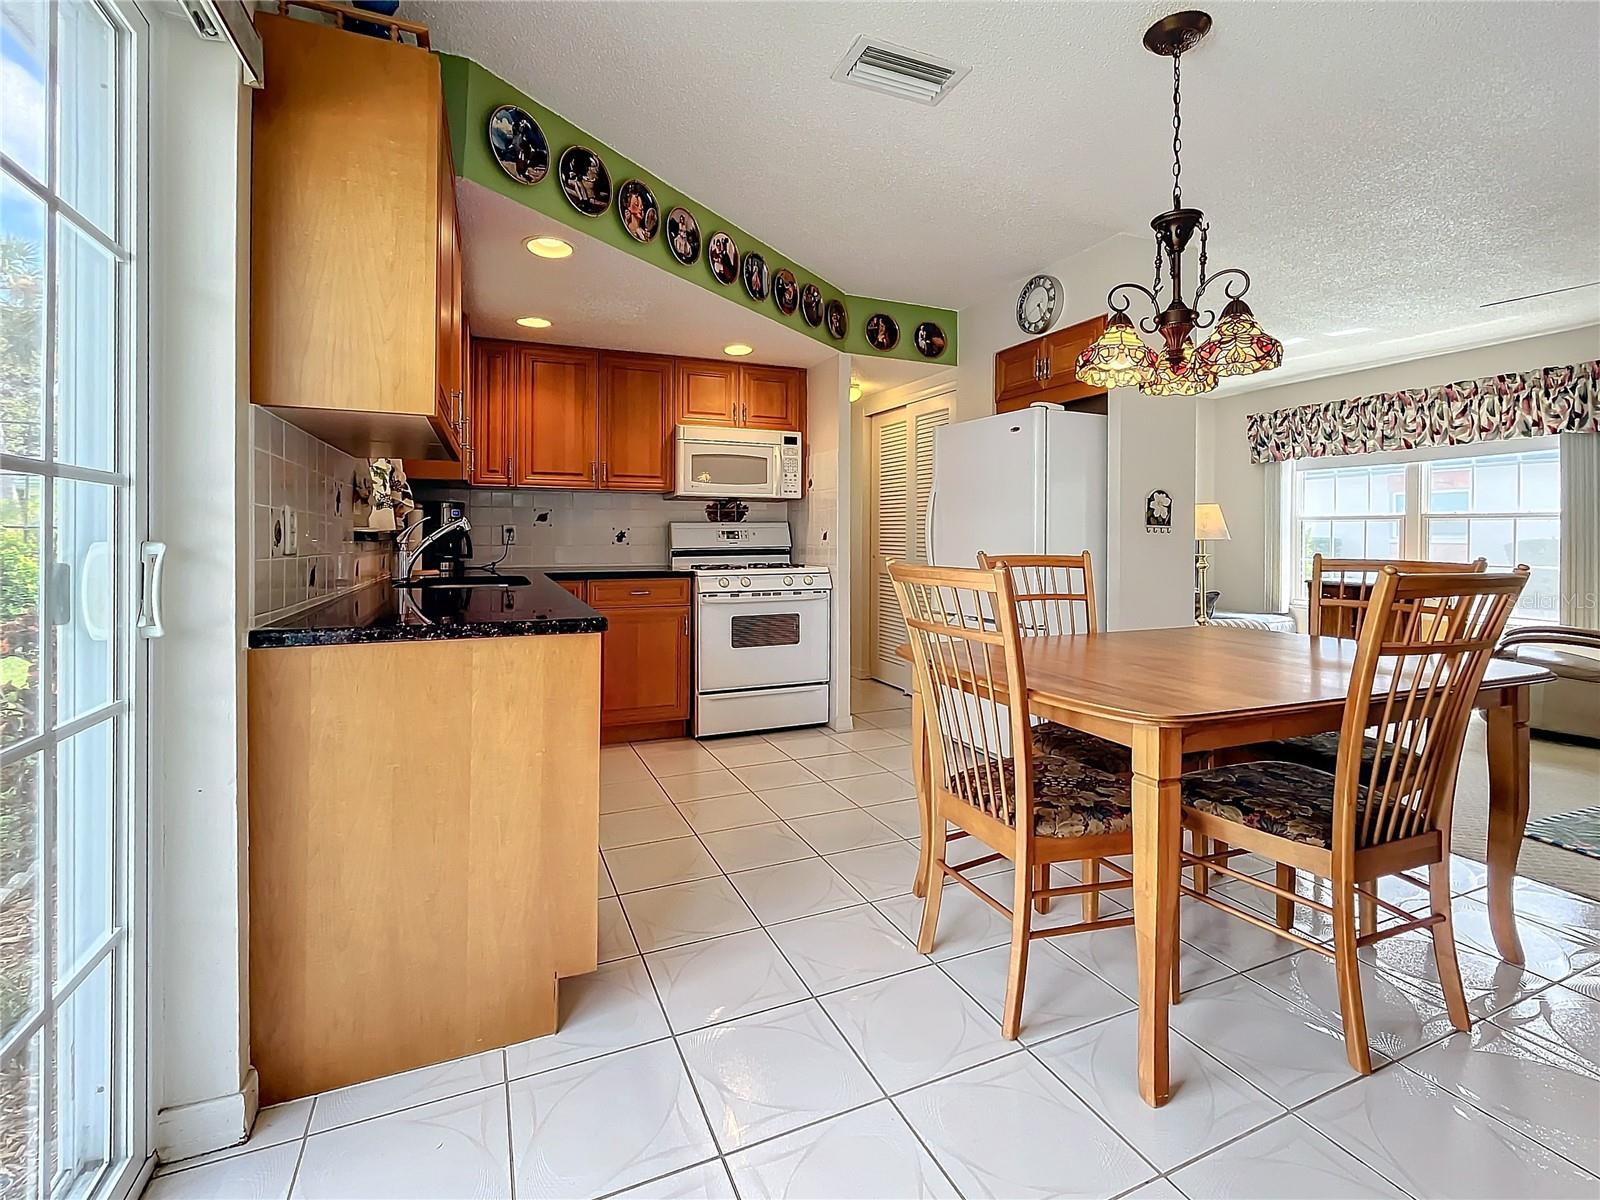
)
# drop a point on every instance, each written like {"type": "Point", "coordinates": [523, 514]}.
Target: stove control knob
{"type": "Point", "coordinates": [722, 581]}
{"type": "Point", "coordinates": [806, 581]}
{"type": "Point", "coordinates": [744, 582]}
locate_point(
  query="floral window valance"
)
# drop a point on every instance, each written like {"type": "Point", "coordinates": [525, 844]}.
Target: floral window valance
{"type": "Point", "coordinates": [1526, 404]}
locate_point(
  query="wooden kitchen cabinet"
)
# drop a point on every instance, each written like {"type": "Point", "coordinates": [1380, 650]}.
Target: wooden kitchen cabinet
{"type": "Point", "coordinates": [708, 392]}
{"type": "Point", "coordinates": [1042, 370]}
{"type": "Point", "coordinates": [355, 261]}
{"type": "Point", "coordinates": [556, 418]}
{"type": "Point", "coordinates": [500, 374]}
{"type": "Point", "coordinates": [771, 397]}
{"type": "Point", "coordinates": [567, 417]}
{"type": "Point", "coordinates": [635, 429]}
{"type": "Point", "coordinates": [645, 657]}
{"type": "Point", "coordinates": [577, 587]}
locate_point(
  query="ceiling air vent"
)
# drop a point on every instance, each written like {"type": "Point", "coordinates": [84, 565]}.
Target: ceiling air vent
{"type": "Point", "coordinates": [896, 71]}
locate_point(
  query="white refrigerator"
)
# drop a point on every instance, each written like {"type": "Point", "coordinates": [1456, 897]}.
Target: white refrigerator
{"type": "Point", "coordinates": [1025, 482]}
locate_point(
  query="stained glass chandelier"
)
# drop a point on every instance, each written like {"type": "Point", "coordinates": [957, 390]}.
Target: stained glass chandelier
{"type": "Point", "coordinates": [1238, 345]}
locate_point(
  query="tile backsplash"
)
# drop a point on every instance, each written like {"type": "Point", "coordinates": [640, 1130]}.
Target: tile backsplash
{"type": "Point", "coordinates": [304, 515]}
{"type": "Point", "coordinates": [577, 529]}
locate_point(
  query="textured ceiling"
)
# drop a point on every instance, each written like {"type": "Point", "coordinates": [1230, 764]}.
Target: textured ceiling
{"type": "Point", "coordinates": [1390, 166]}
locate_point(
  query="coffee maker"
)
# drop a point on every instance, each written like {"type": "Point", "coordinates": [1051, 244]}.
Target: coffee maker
{"type": "Point", "coordinates": [451, 553]}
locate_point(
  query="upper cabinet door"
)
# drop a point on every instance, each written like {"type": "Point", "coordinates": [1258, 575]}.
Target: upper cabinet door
{"type": "Point", "coordinates": [707, 392]}
{"type": "Point", "coordinates": [1017, 374]}
{"type": "Point", "coordinates": [636, 422]}
{"type": "Point", "coordinates": [772, 397]}
{"type": "Point", "coordinates": [556, 433]}
{"type": "Point", "coordinates": [1059, 352]}
{"type": "Point", "coordinates": [499, 376]}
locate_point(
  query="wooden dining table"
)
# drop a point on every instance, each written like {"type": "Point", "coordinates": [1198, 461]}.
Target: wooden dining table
{"type": "Point", "coordinates": [1165, 693]}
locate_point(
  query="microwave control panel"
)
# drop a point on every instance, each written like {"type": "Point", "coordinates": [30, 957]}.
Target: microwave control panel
{"type": "Point", "coordinates": [789, 469]}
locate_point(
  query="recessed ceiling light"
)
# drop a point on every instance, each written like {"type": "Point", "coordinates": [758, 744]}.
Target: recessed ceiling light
{"type": "Point", "coordinates": [1350, 332]}
{"type": "Point", "coordinates": [548, 247]}
{"type": "Point", "coordinates": [738, 349]}
{"type": "Point", "coordinates": [533, 322]}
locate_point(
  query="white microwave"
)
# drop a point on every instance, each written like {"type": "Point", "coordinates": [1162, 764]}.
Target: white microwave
{"type": "Point", "coordinates": [736, 464]}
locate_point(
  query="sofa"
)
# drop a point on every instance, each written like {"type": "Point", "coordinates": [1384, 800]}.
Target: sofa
{"type": "Point", "coordinates": [1569, 706]}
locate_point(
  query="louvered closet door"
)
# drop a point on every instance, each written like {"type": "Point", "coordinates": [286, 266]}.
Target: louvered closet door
{"type": "Point", "coordinates": [902, 483]}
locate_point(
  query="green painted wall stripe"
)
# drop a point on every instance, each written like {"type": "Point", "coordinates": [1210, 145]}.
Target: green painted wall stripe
{"type": "Point", "coordinates": [471, 93]}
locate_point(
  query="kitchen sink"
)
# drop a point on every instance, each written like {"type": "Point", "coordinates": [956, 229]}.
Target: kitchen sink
{"type": "Point", "coordinates": [466, 581]}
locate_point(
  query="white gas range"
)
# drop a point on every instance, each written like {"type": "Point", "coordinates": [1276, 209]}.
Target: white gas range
{"type": "Point", "coordinates": [763, 627]}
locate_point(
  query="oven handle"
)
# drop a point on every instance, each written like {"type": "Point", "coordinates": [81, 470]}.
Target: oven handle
{"type": "Point", "coordinates": [746, 597]}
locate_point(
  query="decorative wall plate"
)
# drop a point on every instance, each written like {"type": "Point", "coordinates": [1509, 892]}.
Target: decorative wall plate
{"type": "Point", "coordinates": [683, 236]}
{"type": "Point", "coordinates": [518, 144]}
{"type": "Point", "coordinates": [811, 304]}
{"type": "Point", "coordinates": [636, 205]}
{"type": "Point", "coordinates": [756, 277]}
{"type": "Point", "coordinates": [882, 332]}
{"type": "Point", "coordinates": [785, 292]}
{"type": "Point", "coordinates": [929, 340]}
{"type": "Point", "coordinates": [722, 256]}
{"type": "Point", "coordinates": [584, 180]}
{"type": "Point", "coordinates": [838, 320]}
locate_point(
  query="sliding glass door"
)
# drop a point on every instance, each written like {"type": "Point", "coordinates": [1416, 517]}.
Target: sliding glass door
{"type": "Point", "coordinates": [72, 416]}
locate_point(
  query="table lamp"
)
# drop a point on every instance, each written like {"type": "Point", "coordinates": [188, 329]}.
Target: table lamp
{"type": "Point", "coordinates": [1209, 526]}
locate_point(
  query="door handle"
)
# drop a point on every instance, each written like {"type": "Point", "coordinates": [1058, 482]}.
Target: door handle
{"type": "Point", "coordinates": [152, 573]}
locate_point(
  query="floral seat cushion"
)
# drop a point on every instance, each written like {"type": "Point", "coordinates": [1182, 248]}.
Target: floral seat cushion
{"type": "Point", "coordinates": [1287, 799]}
{"type": "Point", "coordinates": [1071, 798]}
{"type": "Point", "coordinates": [1319, 750]}
{"type": "Point", "coordinates": [1053, 741]}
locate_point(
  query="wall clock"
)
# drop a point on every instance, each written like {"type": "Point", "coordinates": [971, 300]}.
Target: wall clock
{"type": "Point", "coordinates": [1039, 304]}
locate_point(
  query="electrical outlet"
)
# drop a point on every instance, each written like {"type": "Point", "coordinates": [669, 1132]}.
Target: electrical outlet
{"type": "Point", "coordinates": [508, 535]}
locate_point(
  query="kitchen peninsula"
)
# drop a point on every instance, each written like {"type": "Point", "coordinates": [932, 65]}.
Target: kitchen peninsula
{"type": "Point", "coordinates": [424, 814]}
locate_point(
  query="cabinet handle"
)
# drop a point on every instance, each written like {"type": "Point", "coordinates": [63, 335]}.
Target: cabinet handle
{"type": "Point", "coordinates": [594, 472]}
{"type": "Point", "coordinates": [685, 624]}
{"type": "Point", "coordinates": [640, 592]}
{"type": "Point", "coordinates": [508, 470]}
{"type": "Point", "coordinates": [605, 472]}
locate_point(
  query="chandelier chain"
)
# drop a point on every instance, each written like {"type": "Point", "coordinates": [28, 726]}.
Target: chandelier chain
{"type": "Point", "coordinates": [1177, 133]}
{"type": "Point", "coordinates": [1205, 228]}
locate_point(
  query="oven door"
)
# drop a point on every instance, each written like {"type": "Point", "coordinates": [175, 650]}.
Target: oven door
{"type": "Point", "coordinates": [727, 470]}
{"type": "Point", "coordinates": [763, 641]}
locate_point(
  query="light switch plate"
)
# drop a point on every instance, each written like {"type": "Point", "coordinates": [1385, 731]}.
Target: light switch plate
{"type": "Point", "coordinates": [508, 535]}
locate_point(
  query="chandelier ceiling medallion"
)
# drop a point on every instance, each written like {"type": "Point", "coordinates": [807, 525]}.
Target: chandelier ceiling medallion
{"type": "Point", "coordinates": [1237, 345]}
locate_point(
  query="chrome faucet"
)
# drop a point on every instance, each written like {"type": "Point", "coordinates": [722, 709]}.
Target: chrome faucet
{"type": "Point", "coordinates": [408, 558]}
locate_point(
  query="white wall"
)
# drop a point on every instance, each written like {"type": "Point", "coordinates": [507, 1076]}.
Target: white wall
{"type": "Point", "coordinates": [1149, 577]}
{"type": "Point", "coordinates": [1238, 566]}
{"type": "Point", "coordinates": [202, 1084]}
{"type": "Point", "coordinates": [820, 522]}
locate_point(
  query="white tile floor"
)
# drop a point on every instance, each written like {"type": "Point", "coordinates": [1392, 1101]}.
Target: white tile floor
{"type": "Point", "coordinates": [764, 1026]}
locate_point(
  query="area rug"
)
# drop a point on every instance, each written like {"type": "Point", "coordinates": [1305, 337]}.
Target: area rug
{"type": "Point", "coordinates": [1578, 831]}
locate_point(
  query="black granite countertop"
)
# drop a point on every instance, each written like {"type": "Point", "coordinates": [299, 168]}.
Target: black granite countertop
{"type": "Point", "coordinates": [375, 614]}
{"type": "Point", "coordinates": [618, 572]}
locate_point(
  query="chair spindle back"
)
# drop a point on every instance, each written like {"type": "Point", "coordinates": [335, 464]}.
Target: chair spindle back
{"type": "Point", "coordinates": [962, 628]}
{"type": "Point", "coordinates": [1426, 643]}
{"type": "Point", "coordinates": [1341, 589]}
{"type": "Point", "coordinates": [1054, 592]}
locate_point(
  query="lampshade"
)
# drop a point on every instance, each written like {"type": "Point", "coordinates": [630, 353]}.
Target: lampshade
{"type": "Point", "coordinates": [1208, 523]}
{"type": "Point", "coordinates": [1238, 345]}
{"type": "Point", "coordinates": [1117, 358]}
{"type": "Point", "coordinates": [1190, 379]}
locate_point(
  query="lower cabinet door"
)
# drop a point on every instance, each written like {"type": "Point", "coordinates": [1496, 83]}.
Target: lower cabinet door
{"type": "Point", "coordinates": [644, 665]}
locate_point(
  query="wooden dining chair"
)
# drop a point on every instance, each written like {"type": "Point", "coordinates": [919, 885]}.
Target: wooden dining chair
{"type": "Point", "coordinates": [1055, 597]}
{"type": "Point", "coordinates": [1425, 642]}
{"type": "Point", "coordinates": [1339, 594]}
{"type": "Point", "coordinates": [986, 776]}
